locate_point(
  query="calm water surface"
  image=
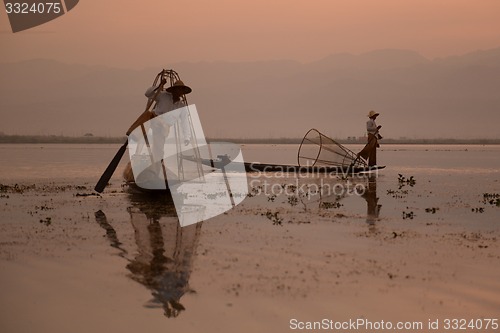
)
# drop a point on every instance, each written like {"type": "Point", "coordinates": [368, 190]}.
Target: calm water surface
{"type": "Point", "coordinates": [453, 178]}
{"type": "Point", "coordinates": [123, 262]}
{"type": "Point", "coordinates": [58, 161]}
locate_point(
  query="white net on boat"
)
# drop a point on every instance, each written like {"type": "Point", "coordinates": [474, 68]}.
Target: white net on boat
{"type": "Point", "coordinates": [317, 149]}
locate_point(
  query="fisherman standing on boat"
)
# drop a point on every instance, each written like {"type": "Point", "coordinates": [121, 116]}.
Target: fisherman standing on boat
{"type": "Point", "coordinates": [169, 103]}
{"type": "Point", "coordinates": [369, 152]}
{"type": "Point", "coordinates": [173, 109]}
{"type": "Point", "coordinates": [170, 109]}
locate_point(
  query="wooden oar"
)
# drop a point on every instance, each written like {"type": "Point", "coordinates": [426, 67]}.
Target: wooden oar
{"type": "Point", "coordinates": [145, 116]}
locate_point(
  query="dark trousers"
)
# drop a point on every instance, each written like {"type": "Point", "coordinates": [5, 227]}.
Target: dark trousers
{"type": "Point", "coordinates": [369, 152]}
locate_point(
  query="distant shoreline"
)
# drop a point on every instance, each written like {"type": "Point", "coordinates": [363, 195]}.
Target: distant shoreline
{"type": "Point", "coordinates": [41, 139]}
{"type": "Point", "coordinates": [59, 139]}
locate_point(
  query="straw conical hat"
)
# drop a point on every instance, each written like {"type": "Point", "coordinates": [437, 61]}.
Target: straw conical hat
{"type": "Point", "coordinates": [179, 86]}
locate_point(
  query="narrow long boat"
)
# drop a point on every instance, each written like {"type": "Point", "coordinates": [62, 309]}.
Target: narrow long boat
{"type": "Point", "coordinates": [263, 167]}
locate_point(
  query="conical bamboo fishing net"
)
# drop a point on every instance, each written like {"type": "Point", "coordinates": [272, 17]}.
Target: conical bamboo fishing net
{"type": "Point", "coordinates": [319, 150]}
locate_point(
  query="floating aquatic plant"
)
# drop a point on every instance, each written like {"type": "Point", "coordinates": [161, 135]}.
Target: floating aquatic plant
{"type": "Point", "coordinates": [272, 197]}
{"type": "Point", "coordinates": [293, 200]}
{"type": "Point", "coordinates": [16, 188]}
{"type": "Point", "coordinates": [43, 207]}
{"type": "Point", "coordinates": [432, 210]}
{"type": "Point", "coordinates": [274, 217]}
{"type": "Point", "coordinates": [328, 205]}
{"type": "Point", "coordinates": [492, 199]}
{"type": "Point", "coordinates": [255, 190]}
{"type": "Point", "coordinates": [408, 215]}
{"type": "Point", "coordinates": [398, 194]}
{"type": "Point", "coordinates": [47, 221]}
{"type": "Point", "coordinates": [88, 195]}
{"type": "Point", "coordinates": [402, 180]}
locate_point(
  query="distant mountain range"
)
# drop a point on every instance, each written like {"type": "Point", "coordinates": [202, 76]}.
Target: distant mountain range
{"type": "Point", "coordinates": [453, 97]}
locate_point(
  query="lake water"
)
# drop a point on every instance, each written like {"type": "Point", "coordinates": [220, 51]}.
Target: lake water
{"type": "Point", "coordinates": [452, 178]}
{"type": "Point", "coordinates": [57, 161]}
{"type": "Point", "coordinates": [71, 261]}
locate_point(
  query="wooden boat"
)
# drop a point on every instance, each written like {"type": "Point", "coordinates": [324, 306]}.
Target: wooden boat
{"type": "Point", "coordinates": [224, 162]}
{"type": "Point", "coordinates": [262, 167]}
{"type": "Point", "coordinates": [317, 154]}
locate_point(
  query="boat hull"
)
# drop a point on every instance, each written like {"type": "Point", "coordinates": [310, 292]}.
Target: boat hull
{"type": "Point", "coordinates": [263, 167]}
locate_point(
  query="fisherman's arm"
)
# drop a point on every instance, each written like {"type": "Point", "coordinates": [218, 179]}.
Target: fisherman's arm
{"type": "Point", "coordinates": [147, 115]}
{"type": "Point", "coordinates": [150, 92]}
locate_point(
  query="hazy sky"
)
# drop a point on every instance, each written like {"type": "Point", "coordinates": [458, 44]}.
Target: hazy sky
{"type": "Point", "coordinates": [139, 34]}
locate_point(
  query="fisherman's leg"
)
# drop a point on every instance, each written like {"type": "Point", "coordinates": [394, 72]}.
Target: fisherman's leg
{"type": "Point", "coordinates": [372, 144]}
{"type": "Point", "coordinates": [157, 143]}
{"type": "Point", "coordinates": [186, 129]}
{"type": "Point", "coordinates": [365, 152]}
{"type": "Point", "coordinates": [156, 150]}
{"type": "Point", "coordinates": [128, 174]}
{"type": "Point", "coordinates": [372, 160]}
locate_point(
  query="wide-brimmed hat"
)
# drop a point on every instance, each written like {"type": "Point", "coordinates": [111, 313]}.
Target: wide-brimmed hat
{"type": "Point", "coordinates": [179, 86]}
{"type": "Point", "coordinates": [372, 114]}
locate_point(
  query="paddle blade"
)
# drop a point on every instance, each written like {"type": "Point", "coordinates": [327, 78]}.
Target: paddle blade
{"type": "Point", "coordinates": [106, 176]}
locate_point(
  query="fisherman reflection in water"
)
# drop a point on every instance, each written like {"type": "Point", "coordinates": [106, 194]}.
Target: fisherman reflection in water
{"type": "Point", "coordinates": [372, 206]}
{"type": "Point", "coordinates": [165, 251]}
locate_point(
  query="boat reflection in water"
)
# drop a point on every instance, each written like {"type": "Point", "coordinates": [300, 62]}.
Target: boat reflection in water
{"type": "Point", "coordinates": [165, 250]}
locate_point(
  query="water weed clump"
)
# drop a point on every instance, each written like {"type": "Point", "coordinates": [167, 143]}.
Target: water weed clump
{"type": "Point", "coordinates": [274, 217]}
{"type": "Point", "coordinates": [432, 210]}
{"type": "Point", "coordinates": [403, 181]}
{"type": "Point", "coordinates": [492, 199]}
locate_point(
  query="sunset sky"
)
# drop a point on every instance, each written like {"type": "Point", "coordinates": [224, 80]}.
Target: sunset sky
{"type": "Point", "coordinates": [138, 34]}
{"type": "Point", "coordinates": [208, 41]}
